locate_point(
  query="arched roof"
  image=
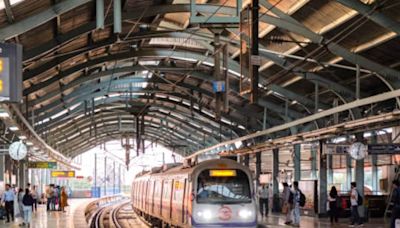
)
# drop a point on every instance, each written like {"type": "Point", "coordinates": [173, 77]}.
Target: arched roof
{"type": "Point", "coordinates": [72, 69]}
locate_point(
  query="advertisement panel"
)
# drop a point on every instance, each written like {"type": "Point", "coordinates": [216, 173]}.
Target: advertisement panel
{"type": "Point", "coordinates": [309, 189]}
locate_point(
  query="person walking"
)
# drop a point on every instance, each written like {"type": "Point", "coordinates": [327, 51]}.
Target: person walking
{"type": "Point", "coordinates": [287, 206]}
{"type": "Point", "coordinates": [396, 204]}
{"type": "Point", "coordinates": [28, 202]}
{"type": "Point", "coordinates": [20, 196]}
{"type": "Point", "coordinates": [34, 195]}
{"type": "Point", "coordinates": [8, 200]}
{"type": "Point", "coordinates": [296, 204]}
{"type": "Point", "coordinates": [263, 194]}
{"type": "Point", "coordinates": [333, 201]}
{"type": "Point", "coordinates": [354, 199]}
{"type": "Point", "coordinates": [64, 199]}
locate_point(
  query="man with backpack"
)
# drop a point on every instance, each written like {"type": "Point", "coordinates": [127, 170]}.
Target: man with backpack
{"type": "Point", "coordinates": [396, 204]}
{"type": "Point", "coordinates": [355, 201]}
{"type": "Point", "coordinates": [299, 200]}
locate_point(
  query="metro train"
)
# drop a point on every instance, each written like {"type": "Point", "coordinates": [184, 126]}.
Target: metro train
{"type": "Point", "coordinates": [213, 193]}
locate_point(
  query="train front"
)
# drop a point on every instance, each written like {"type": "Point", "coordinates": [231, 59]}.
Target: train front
{"type": "Point", "coordinates": [223, 197]}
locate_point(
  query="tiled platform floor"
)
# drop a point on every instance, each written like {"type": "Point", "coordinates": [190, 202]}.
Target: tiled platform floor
{"type": "Point", "coordinates": [52, 219]}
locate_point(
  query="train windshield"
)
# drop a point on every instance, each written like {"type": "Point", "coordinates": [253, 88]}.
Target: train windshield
{"type": "Point", "coordinates": [223, 187]}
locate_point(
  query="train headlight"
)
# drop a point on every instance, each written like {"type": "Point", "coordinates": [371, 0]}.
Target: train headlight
{"type": "Point", "coordinates": [245, 214]}
{"type": "Point", "coordinates": [206, 214]}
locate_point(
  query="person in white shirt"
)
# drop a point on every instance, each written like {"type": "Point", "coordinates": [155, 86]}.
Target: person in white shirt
{"type": "Point", "coordinates": [355, 217]}
{"type": "Point", "coordinates": [263, 194]}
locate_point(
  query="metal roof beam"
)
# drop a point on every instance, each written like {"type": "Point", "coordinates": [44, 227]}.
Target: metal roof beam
{"type": "Point", "coordinates": [373, 14]}
{"type": "Point", "coordinates": [33, 21]}
{"type": "Point", "coordinates": [288, 24]}
{"type": "Point", "coordinates": [85, 124]}
{"type": "Point", "coordinates": [9, 13]}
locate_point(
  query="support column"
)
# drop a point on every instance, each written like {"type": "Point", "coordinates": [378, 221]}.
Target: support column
{"type": "Point", "coordinates": [374, 164]}
{"type": "Point", "coordinates": [254, 49]}
{"type": "Point", "coordinates": [21, 175]}
{"type": "Point", "coordinates": [297, 162]}
{"type": "Point", "coordinates": [348, 173]}
{"type": "Point", "coordinates": [99, 15]}
{"type": "Point", "coordinates": [117, 16]}
{"type": "Point", "coordinates": [314, 149]}
{"type": "Point", "coordinates": [258, 168]}
{"type": "Point", "coordinates": [2, 168]}
{"type": "Point", "coordinates": [360, 183]}
{"type": "Point", "coordinates": [114, 177]}
{"type": "Point", "coordinates": [105, 175]}
{"type": "Point", "coordinates": [275, 174]}
{"type": "Point", "coordinates": [330, 168]}
{"type": "Point", "coordinates": [322, 181]}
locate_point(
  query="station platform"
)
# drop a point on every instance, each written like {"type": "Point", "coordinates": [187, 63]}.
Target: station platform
{"type": "Point", "coordinates": [74, 218]}
{"type": "Point", "coordinates": [53, 219]}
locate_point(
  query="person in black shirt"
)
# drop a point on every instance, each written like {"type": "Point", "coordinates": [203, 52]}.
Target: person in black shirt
{"type": "Point", "coordinates": [27, 201]}
{"type": "Point", "coordinates": [333, 200]}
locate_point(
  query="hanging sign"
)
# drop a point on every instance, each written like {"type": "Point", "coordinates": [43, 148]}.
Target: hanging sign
{"type": "Point", "coordinates": [67, 174]}
{"type": "Point", "coordinates": [42, 165]}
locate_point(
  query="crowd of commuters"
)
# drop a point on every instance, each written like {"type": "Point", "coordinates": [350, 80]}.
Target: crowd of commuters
{"type": "Point", "coordinates": [56, 198]}
{"type": "Point", "coordinates": [21, 202]}
{"type": "Point", "coordinates": [293, 199]}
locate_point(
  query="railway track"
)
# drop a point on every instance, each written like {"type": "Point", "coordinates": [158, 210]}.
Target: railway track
{"type": "Point", "coordinates": [118, 215]}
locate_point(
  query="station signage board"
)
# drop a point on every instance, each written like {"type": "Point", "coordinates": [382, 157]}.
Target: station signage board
{"type": "Point", "coordinates": [218, 86]}
{"type": "Point", "coordinates": [384, 148]}
{"type": "Point", "coordinates": [336, 149]}
{"type": "Point", "coordinates": [64, 174]}
{"type": "Point", "coordinates": [10, 72]}
{"type": "Point", "coordinates": [42, 165]}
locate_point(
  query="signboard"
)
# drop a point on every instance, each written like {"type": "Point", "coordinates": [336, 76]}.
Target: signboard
{"type": "Point", "coordinates": [218, 86]}
{"type": "Point", "coordinates": [383, 148]}
{"type": "Point", "coordinates": [67, 174]}
{"type": "Point", "coordinates": [336, 149]}
{"type": "Point", "coordinates": [42, 165]}
{"type": "Point", "coordinates": [10, 72]}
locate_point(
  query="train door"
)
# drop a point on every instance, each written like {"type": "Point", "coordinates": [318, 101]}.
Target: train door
{"type": "Point", "coordinates": [146, 194]}
{"type": "Point", "coordinates": [166, 199]}
{"type": "Point", "coordinates": [177, 201]}
{"type": "Point", "coordinates": [151, 197]}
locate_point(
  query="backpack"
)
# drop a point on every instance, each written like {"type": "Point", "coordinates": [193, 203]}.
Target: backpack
{"type": "Point", "coordinates": [302, 201]}
{"type": "Point", "coordinates": [291, 197]}
{"type": "Point", "coordinates": [359, 199]}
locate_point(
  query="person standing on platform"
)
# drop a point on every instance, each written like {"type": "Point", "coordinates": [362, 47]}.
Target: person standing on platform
{"type": "Point", "coordinates": [27, 202]}
{"type": "Point", "coordinates": [354, 200]}
{"type": "Point", "coordinates": [34, 195]}
{"type": "Point", "coordinates": [287, 206]}
{"type": "Point", "coordinates": [296, 204]}
{"type": "Point", "coordinates": [64, 199]}
{"type": "Point", "coordinates": [396, 204]}
{"type": "Point", "coordinates": [333, 200]}
{"type": "Point", "coordinates": [263, 199]}
{"type": "Point", "coordinates": [8, 200]}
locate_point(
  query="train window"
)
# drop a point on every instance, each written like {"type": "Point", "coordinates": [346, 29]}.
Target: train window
{"type": "Point", "coordinates": [220, 189]}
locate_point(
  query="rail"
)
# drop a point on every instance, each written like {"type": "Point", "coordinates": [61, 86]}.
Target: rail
{"type": "Point", "coordinates": [93, 210]}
